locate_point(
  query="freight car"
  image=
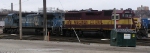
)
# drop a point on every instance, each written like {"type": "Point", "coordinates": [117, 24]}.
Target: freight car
{"type": "Point", "coordinates": [100, 22]}
{"type": "Point", "coordinates": [33, 22]}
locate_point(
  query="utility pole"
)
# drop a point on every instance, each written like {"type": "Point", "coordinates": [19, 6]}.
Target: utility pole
{"type": "Point", "coordinates": [20, 20]}
{"type": "Point", "coordinates": [45, 20]}
{"type": "Point", "coordinates": [114, 18]}
{"type": "Point", "coordinates": [11, 7]}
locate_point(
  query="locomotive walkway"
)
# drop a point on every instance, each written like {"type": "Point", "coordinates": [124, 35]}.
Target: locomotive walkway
{"type": "Point", "coordinates": [27, 46]}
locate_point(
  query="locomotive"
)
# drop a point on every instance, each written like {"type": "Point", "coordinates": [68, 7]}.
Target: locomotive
{"type": "Point", "coordinates": [83, 22]}
{"type": "Point", "coordinates": [146, 23]}
{"type": "Point", "coordinates": [101, 22]}
{"type": "Point", "coordinates": [33, 22]}
{"type": "Point", "coordinates": [12, 22]}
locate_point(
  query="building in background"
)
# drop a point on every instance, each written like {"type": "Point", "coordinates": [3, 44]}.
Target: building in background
{"type": "Point", "coordinates": [143, 8]}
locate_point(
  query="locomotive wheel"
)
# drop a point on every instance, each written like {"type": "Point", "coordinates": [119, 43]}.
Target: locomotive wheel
{"type": "Point", "coordinates": [73, 35]}
{"type": "Point", "coordinates": [80, 33]}
{"type": "Point", "coordinates": [12, 31]}
{"type": "Point", "coordinates": [67, 34]}
{"type": "Point", "coordinates": [37, 32]}
{"type": "Point", "coordinates": [141, 34]}
{"type": "Point", "coordinates": [8, 31]}
{"type": "Point", "coordinates": [15, 30]}
{"type": "Point", "coordinates": [101, 34]}
{"type": "Point", "coordinates": [4, 30]}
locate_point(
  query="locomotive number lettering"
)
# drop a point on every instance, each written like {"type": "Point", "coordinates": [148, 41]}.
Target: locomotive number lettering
{"type": "Point", "coordinates": [98, 22]}
{"type": "Point", "coordinates": [95, 22]}
{"type": "Point", "coordinates": [80, 22]}
{"type": "Point", "coordinates": [68, 22]}
{"type": "Point", "coordinates": [83, 22]}
{"type": "Point", "coordinates": [91, 21]}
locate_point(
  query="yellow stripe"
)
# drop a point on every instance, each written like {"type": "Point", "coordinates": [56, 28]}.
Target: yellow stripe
{"type": "Point", "coordinates": [97, 22]}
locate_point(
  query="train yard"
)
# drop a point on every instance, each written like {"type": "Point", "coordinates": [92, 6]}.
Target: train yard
{"type": "Point", "coordinates": [56, 30]}
{"type": "Point", "coordinates": [91, 26]}
{"type": "Point", "coordinates": [84, 40]}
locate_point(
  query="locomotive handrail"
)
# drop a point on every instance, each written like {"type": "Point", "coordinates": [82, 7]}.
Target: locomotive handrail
{"type": "Point", "coordinates": [76, 35]}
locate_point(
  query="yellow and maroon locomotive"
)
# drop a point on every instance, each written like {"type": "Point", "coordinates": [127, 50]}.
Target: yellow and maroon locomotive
{"type": "Point", "coordinates": [100, 22]}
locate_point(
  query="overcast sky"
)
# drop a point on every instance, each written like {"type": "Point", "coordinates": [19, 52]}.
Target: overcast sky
{"type": "Point", "coordinates": [33, 5]}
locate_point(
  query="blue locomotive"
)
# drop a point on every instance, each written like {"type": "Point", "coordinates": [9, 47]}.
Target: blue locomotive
{"type": "Point", "coordinates": [34, 22]}
{"type": "Point", "coordinates": [12, 22]}
{"type": "Point", "coordinates": [146, 23]}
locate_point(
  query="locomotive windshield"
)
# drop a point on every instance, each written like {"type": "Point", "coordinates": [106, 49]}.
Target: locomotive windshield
{"type": "Point", "coordinates": [127, 14]}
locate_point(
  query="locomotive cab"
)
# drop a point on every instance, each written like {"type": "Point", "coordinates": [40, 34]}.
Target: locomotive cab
{"type": "Point", "coordinates": [11, 20]}
{"type": "Point", "coordinates": [127, 14]}
{"type": "Point", "coordinates": [58, 22]}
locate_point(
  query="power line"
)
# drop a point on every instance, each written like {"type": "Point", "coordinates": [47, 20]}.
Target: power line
{"type": "Point", "coordinates": [61, 4]}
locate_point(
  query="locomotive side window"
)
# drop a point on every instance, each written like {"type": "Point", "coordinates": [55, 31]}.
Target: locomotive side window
{"type": "Point", "coordinates": [126, 15]}
{"type": "Point", "coordinates": [9, 17]}
{"type": "Point", "coordinates": [130, 15]}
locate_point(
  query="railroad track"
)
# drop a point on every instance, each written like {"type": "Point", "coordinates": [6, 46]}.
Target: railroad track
{"type": "Point", "coordinates": [145, 42]}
